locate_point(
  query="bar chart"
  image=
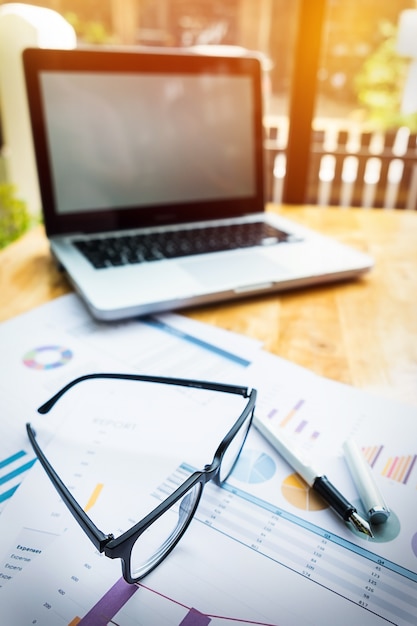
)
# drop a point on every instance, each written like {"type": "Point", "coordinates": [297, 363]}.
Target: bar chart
{"type": "Point", "coordinates": [400, 468]}
{"type": "Point", "coordinates": [12, 471]}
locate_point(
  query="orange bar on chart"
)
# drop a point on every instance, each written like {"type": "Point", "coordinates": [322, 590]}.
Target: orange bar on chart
{"type": "Point", "coordinates": [291, 414]}
{"type": "Point", "coordinates": [94, 497]}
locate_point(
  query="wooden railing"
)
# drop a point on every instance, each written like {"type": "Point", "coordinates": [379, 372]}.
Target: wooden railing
{"type": "Point", "coordinates": [349, 167]}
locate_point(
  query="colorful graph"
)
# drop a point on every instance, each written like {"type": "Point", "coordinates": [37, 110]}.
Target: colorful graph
{"type": "Point", "coordinates": [254, 467]}
{"type": "Point", "coordinates": [372, 454]}
{"type": "Point", "coordinates": [292, 420]}
{"type": "Point", "coordinates": [120, 593]}
{"type": "Point", "coordinates": [47, 357]}
{"type": "Point", "coordinates": [301, 426]}
{"type": "Point", "coordinates": [14, 467]}
{"type": "Point", "coordinates": [300, 495]}
{"type": "Point", "coordinates": [399, 468]}
{"type": "Point", "coordinates": [284, 422]}
{"type": "Point", "coordinates": [108, 605]}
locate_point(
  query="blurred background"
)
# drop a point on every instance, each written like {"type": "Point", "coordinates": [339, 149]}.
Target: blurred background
{"type": "Point", "coordinates": [338, 80]}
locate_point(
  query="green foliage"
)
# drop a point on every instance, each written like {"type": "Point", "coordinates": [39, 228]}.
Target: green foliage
{"type": "Point", "coordinates": [14, 217]}
{"type": "Point", "coordinates": [89, 31]}
{"type": "Point", "coordinates": [380, 83]}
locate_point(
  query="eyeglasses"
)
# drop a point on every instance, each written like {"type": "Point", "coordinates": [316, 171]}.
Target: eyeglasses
{"type": "Point", "coordinates": [150, 540]}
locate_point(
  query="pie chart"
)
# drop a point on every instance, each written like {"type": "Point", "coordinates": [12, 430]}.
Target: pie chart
{"type": "Point", "coordinates": [47, 357]}
{"type": "Point", "coordinates": [254, 467]}
{"type": "Point", "coordinates": [300, 495]}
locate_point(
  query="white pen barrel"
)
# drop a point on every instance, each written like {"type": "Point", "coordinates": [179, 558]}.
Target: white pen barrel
{"type": "Point", "coordinates": [287, 450]}
{"type": "Point", "coordinates": [364, 480]}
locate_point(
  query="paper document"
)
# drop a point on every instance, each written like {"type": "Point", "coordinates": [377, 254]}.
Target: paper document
{"type": "Point", "coordinates": [261, 550]}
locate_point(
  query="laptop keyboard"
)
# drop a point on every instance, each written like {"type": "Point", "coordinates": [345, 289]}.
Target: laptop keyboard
{"type": "Point", "coordinates": [118, 250]}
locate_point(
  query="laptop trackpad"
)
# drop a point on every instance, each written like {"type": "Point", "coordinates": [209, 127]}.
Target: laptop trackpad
{"type": "Point", "coordinates": [237, 270]}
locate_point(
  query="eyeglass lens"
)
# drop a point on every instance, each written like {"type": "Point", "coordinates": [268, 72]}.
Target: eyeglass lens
{"type": "Point", "coordinates": [154, 544]}
{"type": "Point", "coordinates": [158, 539]}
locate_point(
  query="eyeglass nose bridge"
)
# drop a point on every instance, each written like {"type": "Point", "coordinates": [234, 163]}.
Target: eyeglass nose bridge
{"type": "Point", "coordinates": [211, 470]}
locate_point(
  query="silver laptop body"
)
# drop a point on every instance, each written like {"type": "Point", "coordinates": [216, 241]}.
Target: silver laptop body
{"type": "Point", "coordinates": [169, 145]}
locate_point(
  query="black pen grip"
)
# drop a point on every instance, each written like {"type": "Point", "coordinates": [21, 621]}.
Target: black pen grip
{"type": "Point", "coordinates": [333, 497]}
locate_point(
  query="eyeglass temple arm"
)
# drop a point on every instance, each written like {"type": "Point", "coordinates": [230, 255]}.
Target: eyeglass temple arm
{"type": "Point", "coordinates": [184, 382]}
{"type": "Point", "coordinates": [98, 538]}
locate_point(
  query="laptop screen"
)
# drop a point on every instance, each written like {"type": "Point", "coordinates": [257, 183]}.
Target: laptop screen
{"type": "Point", "coordinates": [141, 138]}
{"type": "Point", "coordinates": [132, 140]}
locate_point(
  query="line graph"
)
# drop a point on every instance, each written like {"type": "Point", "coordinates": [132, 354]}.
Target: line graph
{"type": "Point", "coordinates": [229, 521]}
{"type": "Point", "coordinates": [121, 592]}
{"type": "Point", "coordinates": [267, 531]}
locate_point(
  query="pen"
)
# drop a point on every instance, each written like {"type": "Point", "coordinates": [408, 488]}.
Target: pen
{"type": "Point", "coordinates": [317, 481]}
{"type": "Point", "coordinates": [372, 500]}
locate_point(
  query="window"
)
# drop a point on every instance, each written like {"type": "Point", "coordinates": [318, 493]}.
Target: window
{"type": "Point", "coordinates": [352, 140]}
{"type": "Point", "coordinates": [334, 76]}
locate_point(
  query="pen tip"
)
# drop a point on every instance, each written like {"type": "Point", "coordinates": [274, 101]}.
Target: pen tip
{"type": "Point", "coordinates": [361, 524]}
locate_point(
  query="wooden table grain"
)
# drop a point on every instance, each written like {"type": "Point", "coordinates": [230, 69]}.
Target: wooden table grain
{"type": "Point", "coordinates": [362, 332]}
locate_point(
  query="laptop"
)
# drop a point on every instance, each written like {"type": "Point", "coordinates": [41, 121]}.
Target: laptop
{"type": "Point", "coordinates": [151, 174]}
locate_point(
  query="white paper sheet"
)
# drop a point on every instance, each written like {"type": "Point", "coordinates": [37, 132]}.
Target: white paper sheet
{"type": "Point", "coordinates": [261, 550]}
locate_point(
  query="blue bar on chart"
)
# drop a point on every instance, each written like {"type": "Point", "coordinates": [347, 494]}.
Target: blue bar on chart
{"type": "Point", "coordinates": [15, 469]}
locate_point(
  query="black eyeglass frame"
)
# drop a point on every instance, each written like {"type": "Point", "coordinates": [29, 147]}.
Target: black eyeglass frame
{"type": "Point", "coordinates": [121, 547]}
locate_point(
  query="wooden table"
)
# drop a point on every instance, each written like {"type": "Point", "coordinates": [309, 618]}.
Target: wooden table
{"type": "Point", "coordinates": [361, 332]}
